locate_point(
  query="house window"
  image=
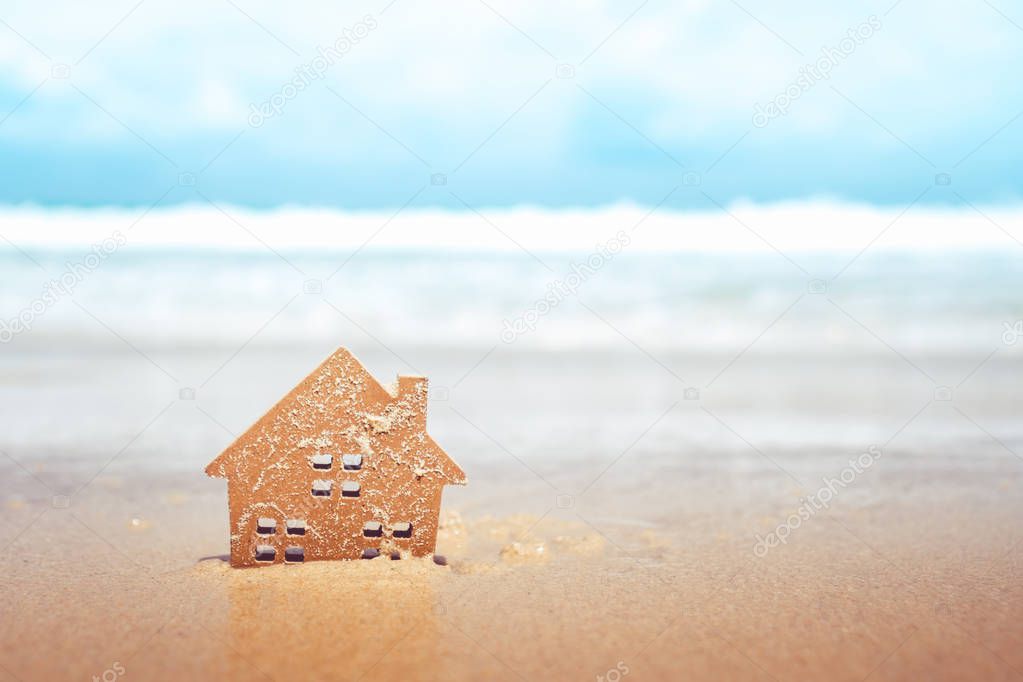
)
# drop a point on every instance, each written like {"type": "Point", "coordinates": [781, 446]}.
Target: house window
{"type": "Point", "coordinates": [350, 489]}
{"type": "Point", "coordinates": [370, 553]}
{"type": "Point", "coordinates": [352, 462]}
{"type": "Point", "coordinates": [265, 553]}
{"type": "Point", "coordinates": [295, 526]}
{"type": "Point", "coordinates": [402, 530]}
{"type": "Point", "coordinates": [266, 526]}
{"type": "Point", "coordinates": [372, 529]}
{"type": "Point", "coordinates": [321, 488]}
{"type": "Point", "coordinates": [322, 461]}
{"type": "Point", "coordinates": [294, 554]}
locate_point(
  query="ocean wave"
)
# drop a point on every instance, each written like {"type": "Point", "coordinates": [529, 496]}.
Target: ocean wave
{"type": "Point", "coordinates": [678, 302]}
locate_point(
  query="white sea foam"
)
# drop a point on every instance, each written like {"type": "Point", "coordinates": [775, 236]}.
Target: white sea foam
{"type": "Point", "coordinates": [811, 278]}
{"type": "Point", "coordinates": [787, 227]}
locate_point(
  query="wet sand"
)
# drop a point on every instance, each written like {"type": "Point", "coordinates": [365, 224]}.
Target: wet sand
{"type": "Point", "coordinates": [892, 593]}
{"type": "Point", "coordinates": [572, 554]}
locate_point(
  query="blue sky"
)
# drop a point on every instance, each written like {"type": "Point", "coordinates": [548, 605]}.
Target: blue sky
{"type": "Point", "coordinates": [502, 103]}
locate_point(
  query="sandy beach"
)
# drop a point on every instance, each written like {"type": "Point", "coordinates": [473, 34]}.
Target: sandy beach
{"type": "Point", "coordinates": [614, 537]}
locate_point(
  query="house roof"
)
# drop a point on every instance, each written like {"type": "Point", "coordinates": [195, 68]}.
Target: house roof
{"type": "Point", "coordinates": [341, 401]}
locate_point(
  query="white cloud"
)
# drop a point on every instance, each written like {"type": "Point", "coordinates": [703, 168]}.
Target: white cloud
{"type": "Point", "coordinates": [686, 73]}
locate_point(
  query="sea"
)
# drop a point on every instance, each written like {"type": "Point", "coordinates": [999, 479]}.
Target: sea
{"type": "Point", "coordinates": [560, 368]}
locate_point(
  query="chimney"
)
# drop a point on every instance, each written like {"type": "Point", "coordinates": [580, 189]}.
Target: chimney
{"type": "Point", "coordinates": [413, 391]}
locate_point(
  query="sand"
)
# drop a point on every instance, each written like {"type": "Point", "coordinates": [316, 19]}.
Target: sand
{"type": "Point", "coordinates": [589, 563]}
{"type": "Point", "coordinates": [523, 597]}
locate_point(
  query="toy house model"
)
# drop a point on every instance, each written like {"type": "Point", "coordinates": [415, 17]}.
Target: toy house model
{"type": "Point", "coordinates": [340, 468]}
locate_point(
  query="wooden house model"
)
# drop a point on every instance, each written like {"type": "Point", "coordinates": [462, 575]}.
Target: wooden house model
{"type": "Point", "coordinates": [340, 468]}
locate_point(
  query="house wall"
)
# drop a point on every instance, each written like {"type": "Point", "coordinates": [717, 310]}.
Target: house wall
{"type": "Point", "coordinates": [334, 524]}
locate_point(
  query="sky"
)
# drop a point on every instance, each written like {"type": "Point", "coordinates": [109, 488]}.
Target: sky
{"type": "Point", "coordinates": [464, 104]}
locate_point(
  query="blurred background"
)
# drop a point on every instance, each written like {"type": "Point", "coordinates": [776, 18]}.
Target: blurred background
{"type": "Point", "coordinates": [781, 186]}
{"type": "Point", "coordinates": [580, 104]}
